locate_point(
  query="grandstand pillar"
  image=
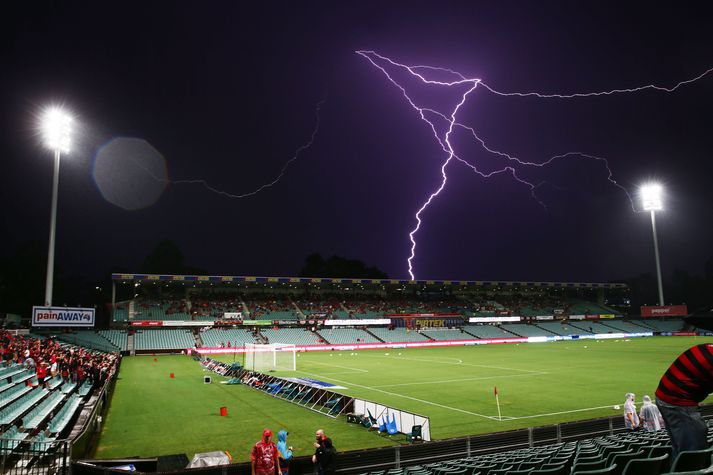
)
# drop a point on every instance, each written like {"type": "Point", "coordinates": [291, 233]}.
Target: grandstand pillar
{"type": "Point", "coordinates": [113, 295]}
{"type": "Point", "coordinates": [49, 283]}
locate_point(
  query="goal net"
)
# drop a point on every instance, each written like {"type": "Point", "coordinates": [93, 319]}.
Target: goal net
{"type": "Point", "coordinates": [272, 357]}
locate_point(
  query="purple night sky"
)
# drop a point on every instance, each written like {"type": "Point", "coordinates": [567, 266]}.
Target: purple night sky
{"type": "Point", "coordinates": [227, 93]}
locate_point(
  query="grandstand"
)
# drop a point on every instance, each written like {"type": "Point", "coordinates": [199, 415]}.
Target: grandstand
{"type": "Point", "coordinates": [217, 337]}
{"type": "Point", "coordinates": [338, 336]}
{"type": "Point", "coordinates": [397, 335]}
{"type": "Point", "coordinates": [445, 334]}
{"type": "Point", "coordinates": [296, 336]}
{"type": "Point", "coordinates": [164, 339]}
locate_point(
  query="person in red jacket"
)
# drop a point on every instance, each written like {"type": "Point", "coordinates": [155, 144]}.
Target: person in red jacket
{"type": "Point", "coordinates": [41, 373]}
{"type": "Point", "coordinates": [265, 456]}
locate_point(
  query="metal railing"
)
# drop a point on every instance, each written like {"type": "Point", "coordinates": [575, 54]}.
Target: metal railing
{"type": "Point", "coordinates": [35, 457]}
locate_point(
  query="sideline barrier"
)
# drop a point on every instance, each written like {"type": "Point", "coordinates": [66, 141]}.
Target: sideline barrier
{"type": "Point", "coordinates": [432, 344]}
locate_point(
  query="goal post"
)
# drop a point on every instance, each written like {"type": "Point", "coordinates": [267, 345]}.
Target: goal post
{"type": "Point", "coordinates": [270, 357]}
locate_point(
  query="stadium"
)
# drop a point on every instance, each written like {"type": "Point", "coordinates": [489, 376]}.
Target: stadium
{"type": "Point", "coordinates": [356, 238]}
{"type": "Point", "coordinates": [400, 373]}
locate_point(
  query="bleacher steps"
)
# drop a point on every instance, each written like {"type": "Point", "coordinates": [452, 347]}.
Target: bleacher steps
{"type": "Point", "coordinates": [130, 344]}
{"type": "Point", "coordinates": [379, 339]}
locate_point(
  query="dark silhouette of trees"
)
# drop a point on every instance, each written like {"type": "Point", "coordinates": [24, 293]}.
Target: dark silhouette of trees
{"type": "Point", "coordinates": [339, 267]}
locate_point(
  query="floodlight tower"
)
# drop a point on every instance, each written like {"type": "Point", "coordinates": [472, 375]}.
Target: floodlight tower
{"type": "Point", "coordinates": [56, 128]}
{"type": "Point", "coordinates": [651, 200]}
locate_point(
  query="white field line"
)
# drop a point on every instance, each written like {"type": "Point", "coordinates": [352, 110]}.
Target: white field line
{"type": "Point", "coordinates": [442, 381]}
{"type": "Point", "coordinates": [459, 363]}
{"type": "Point", "coordinates": [349, 383]}
{"type": "Point", "coordinates": [563, 412]}
{"type": "Point", "coordinates": [351, 369]}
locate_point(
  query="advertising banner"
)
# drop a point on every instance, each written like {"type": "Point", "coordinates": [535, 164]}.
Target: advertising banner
{"type": "Point", "coordinates": [493, 319]}
{"type": "Point", "coordinates": [62, 317]}
{"type": "Point", "coordinates": [147, 323]}
{"type": "Point", "coordinates": [664, 311]}
{"type": "Point", "coordinates": [233, 315]}
{"type": "Point", "coordinates": [422, 315]}
{"type": "Point", "coordinates": [358, 322]}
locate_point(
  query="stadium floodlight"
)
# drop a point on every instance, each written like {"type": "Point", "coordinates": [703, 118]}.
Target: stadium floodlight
{"type": "Point", "coordinates": [56, 129]}
{"type": "Point", "coordinates": [652, 200]}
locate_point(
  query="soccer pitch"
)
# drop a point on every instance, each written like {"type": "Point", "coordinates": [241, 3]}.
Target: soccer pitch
{"type": "Point", "coordinates": [538, 384]}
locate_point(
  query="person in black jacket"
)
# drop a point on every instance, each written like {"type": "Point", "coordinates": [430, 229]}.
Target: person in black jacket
{"type": "Point", "coordinates": [329, 458]}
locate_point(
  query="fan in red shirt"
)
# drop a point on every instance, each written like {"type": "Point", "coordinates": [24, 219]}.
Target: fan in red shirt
{"type": "Point", "coordinates": [265, 456]}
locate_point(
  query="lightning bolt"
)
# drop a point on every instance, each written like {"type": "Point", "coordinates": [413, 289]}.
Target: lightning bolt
{"type": "Point", "coordinates": [269, 184]}
{"type": "Point", "coordinates": [430, 116]}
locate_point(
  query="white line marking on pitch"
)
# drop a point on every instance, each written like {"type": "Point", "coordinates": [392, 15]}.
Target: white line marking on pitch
{"type": "Point", "coordinates": [354, 370]}
{"type": "Point", "coordinates": [401, 395]}
{"type": "Point", "coordinates": [562, 412]}
{"type": "Point", "coordinates": [458, 380]}
{"type": "Point", "coordinates": [460, 362]}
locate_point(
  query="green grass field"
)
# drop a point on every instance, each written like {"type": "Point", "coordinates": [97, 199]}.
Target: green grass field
{"type": "Point", "coordinates": [538, 384]}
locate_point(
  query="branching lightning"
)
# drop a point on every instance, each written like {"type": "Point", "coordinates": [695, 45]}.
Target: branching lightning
{"type": "Point", "coordinates": [270, 183]}
{"type": "Point", "coordinates": [429, 116]}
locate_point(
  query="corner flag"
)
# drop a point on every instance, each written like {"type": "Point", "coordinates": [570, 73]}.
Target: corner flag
{"type": "Point", "coordinates": [497, 401]}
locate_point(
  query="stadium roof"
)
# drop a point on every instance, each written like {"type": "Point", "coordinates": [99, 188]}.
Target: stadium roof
{"type": "Point", "coordinates": [224, 279]}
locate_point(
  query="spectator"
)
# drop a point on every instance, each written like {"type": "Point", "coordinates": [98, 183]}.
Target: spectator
{"type": "Point", "coordinates": [329, 458]}
{"type": "Point", "coordinates": [687, 382]}
{"type": "Point", "coordinates": [41, 374]}
{"type": "Point", "coordinates": [631, 418]}
{"type": "Point", "coordinates": [319, 452]}
{"type": "Point", "coordinates": [264, 457]}
{"type": "Point", "coordinates": [285, 452]}
{"type": "Point", "coordinates": [650, 416]}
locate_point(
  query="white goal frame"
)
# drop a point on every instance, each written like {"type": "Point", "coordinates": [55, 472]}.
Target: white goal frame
{"type": "Point", "coordinates": [270, 357]}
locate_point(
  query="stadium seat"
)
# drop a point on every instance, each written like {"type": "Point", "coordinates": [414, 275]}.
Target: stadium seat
{"type": "Point", "coordinates": [692, 460]}
{"type": "Point", "coordinates": [589, 466]}
{"type": "Point", "coordinates": [645, 466]}
{"type": "Point", "coordinates": [415, 433]}
{"type": "Point", "coordinates": [657, 451]}
{"type": "Point", "coordinates": [621, 460]}
{"type": "Point", "coordinates": [604, 471]}
{"type": "Point", "coordinates": [559, 470]}
{"type": "Point", "coordinates": [391, 426]}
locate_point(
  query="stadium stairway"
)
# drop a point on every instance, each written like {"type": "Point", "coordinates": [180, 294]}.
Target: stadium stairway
{"type": "Point", "coordinates": [298, 309]}
{"type": "Point", "coordinates": [197, 337]}
{"type": "Point", "coordinates": [246, 311]}
{"type": "Point", "coordinates": [130, 343]}
{"type": "Point", "coordinates": [465, 330]}
{"type": "Point", "coordinates": [370, 333]}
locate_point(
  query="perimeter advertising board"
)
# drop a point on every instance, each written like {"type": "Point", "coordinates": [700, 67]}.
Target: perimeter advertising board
{"type": "Point", "coordinates": [664, 311]}
{"type": "Point", "coordinates": [62, 317]}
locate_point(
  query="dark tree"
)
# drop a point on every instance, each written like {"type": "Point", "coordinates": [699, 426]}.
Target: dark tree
{"type": "Point", "coordinates": [339, 267]}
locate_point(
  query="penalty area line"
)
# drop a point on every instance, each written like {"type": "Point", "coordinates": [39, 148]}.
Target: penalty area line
{"type": "Point", "coordinates": [423, 401]}
{"type": "Point", "coordinates": [442, 381]}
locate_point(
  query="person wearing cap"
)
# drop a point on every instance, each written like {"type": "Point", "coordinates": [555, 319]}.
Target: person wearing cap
{"type": "Point", "coordinates": [285, 451]}
{"type": "Point", "coordinates": [264, 456]}
{"type": "Point", "coordinates": [687, 382]}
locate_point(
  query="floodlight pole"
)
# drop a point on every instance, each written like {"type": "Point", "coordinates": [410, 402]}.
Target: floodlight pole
{"type": "Point", "coordinates": [658, 261]}
{"type": "Point", "coordinates": [53, 225]}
